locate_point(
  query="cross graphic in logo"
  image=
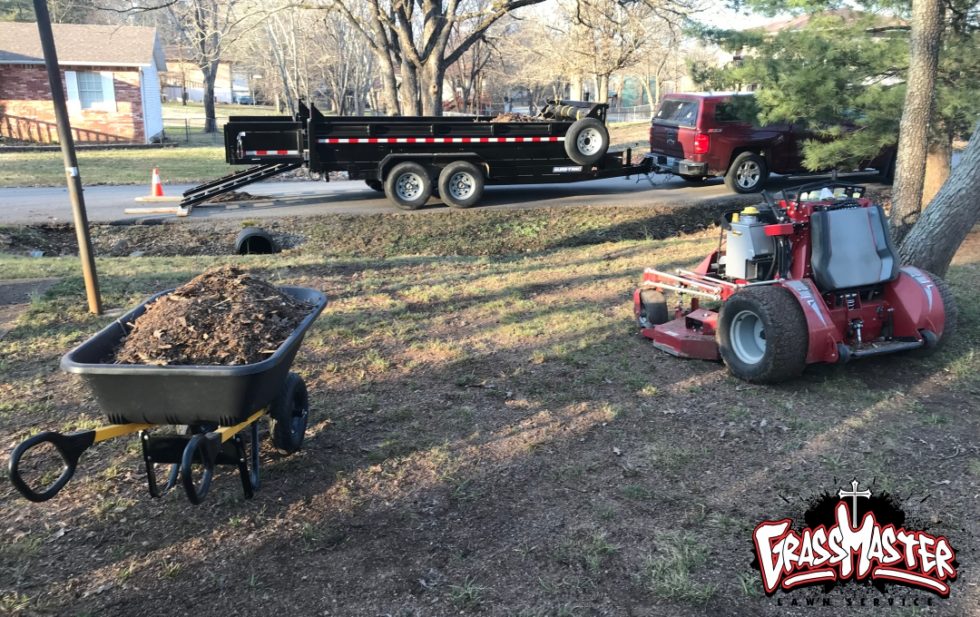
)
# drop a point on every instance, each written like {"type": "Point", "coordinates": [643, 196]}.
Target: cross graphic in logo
{"type": "Point", "coordinates": [854, 493]}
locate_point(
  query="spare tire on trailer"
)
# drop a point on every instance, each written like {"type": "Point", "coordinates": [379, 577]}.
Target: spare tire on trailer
{"type": "Point", "coordinates": [586, 141]}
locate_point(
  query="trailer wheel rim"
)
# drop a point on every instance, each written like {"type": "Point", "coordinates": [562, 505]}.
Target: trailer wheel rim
{"type": "Point", "coordinates": [748, 337]}
{"type": "Point", "coordinates": [461, 185]}
{"type": "Point", "coordinates": [747, 174]}
{"type": "Point", "coordinates": [589, 141]}
{"type": "Point", "coordinates": [409, 186]}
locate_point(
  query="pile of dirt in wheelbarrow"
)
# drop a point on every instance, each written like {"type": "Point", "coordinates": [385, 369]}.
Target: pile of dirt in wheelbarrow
{"type": "Point", "coordinates": [223, 316]}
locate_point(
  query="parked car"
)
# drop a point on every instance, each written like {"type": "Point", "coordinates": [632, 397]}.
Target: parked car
{"type": "Point", "coordinates": [244, 99]}
{"type": "Point", "coordinates": [703, 135]}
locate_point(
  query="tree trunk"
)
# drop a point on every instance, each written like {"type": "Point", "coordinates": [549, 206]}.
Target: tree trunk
{"type": "Point", "coordinates": [602, 88]}
{"type": "Point", "coordinates": [913, 135]}
{"type": "Point", "coordinates": [938, 162]}
{"type": "Point", "coordinates": [210, 72]}
{"type": "Point", "coordinates": [431, 88]}
{"type": "Point", "coordinates": [952, 214]}
{"type": "Point", "coordinates": [389, 86]}
{"type": "Point", "coordinates": [409, 92]}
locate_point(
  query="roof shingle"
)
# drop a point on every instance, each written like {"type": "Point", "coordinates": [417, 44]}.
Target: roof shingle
{"type": "Point", "coordinates": [82, 45]}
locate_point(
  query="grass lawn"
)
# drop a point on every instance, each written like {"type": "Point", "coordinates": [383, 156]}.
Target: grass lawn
{"type": "Point", "coordinates": [489, 436]}
{"type": "Point", "coordinates": [185, 123]}
{"type": "Point", "coordinates": [177, 165]}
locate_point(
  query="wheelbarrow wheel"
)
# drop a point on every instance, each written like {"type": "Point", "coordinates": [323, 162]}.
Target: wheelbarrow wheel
{"type": "Point", "coordinates": [290, 412]}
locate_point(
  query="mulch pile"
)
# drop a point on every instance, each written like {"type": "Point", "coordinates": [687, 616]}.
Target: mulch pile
{"type": "Point", "coordinates": [514, 117]}
{"type": "Point", "coordinates": [232, 196]}
{"type": "Point", "coordinates": [223, 316]}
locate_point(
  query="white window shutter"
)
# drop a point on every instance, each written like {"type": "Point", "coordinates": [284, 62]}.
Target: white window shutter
{"type": "Point", "coordinates": [74, 104]}
{"type": "Point", "coordinates": [108, 92]}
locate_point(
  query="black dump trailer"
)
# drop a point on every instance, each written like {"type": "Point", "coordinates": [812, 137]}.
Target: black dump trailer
{"type": "Point", "coordinates": [413, 157]}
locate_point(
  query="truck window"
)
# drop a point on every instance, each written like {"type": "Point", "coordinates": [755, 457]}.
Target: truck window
{"type": "Point", "coordinates": [740, 109]}
{"type": "Point", "coordinates": [678, 111]}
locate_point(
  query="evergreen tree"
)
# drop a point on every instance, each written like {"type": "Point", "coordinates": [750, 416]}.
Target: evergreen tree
{"type": "Point", "coordinates": [841, 76]}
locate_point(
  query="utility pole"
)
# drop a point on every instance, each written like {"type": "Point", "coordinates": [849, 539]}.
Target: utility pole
{"type": "Point", "coordinates": [68, 152]}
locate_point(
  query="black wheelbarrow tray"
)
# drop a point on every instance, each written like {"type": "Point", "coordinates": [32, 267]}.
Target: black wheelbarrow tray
{"type": "Point", "coordinates": [215, 404]}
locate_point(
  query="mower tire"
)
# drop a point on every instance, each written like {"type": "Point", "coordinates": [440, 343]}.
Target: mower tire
{"type": "Point", "coordinates": [653, 309]}
{"type": "Point", "coordinates": [763, 335]}
{"type": "Point", "coordinates": [290, 411]}
{"type": "Point", "coordinates": [375, 185]}
{"type": "Point", "coordinates": [935, 342]}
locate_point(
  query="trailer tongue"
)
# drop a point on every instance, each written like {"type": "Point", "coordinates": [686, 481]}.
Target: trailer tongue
{"type": "Point", "coordinates": [413, 158]}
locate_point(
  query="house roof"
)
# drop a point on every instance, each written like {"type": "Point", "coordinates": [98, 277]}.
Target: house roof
{"type": "Point", "coordinates": [83, 45]}
{"type": "Point", "coordinates": [844, 15]}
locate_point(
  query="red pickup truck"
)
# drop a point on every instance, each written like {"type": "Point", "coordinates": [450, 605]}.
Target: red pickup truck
{"type": "Point", "coordinates": [699, 135]}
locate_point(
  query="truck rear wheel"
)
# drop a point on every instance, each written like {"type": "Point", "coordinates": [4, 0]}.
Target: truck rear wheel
{"type": "Point", "coordinates": [408, 186]}
{"type": "Point", "coordinates": [461, 184]}
{"type": "Point", "coordinates": [586, 141]}
{"type": "Point", "coordinates": [747, 173]}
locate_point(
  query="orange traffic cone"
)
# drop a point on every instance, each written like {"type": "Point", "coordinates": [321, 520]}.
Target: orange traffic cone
{"type": "Point", "coordinates": [156, 187]}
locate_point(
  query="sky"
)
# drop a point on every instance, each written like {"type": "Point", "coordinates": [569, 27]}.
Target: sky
{"type": "Point", "coordinates": [718, 14]}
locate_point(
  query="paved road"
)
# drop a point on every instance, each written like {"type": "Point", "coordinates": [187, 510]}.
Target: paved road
{"type": "Point", "coordinates": [304, 198]}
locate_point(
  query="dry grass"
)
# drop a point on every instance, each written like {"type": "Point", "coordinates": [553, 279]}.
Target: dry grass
{"type": "Point", "coordinates": [490, 436]}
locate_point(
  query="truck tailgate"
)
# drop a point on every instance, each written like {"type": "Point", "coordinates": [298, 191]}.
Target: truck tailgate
{"type": "Point", "coordinates": [670, 139]}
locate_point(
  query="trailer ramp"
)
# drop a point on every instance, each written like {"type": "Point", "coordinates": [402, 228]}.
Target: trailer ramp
{"type": "Point", "coordinates": [231, 182]}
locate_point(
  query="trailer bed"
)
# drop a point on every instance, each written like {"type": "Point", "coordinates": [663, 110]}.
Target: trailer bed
{"type": "Point", "coordinates": [413, 158]}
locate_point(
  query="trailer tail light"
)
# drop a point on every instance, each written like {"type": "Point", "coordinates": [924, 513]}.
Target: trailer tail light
{"type": "Point", "coordinates": [702, 143]}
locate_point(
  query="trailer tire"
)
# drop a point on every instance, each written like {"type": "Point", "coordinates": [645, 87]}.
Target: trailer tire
{"type": "Point", "coordinates": [762, 335]}
{"type": "Point", "coordinates": [375, 185]}
{"type": "Point", "coordinates": [290, 412]}
{"type": "Point", "coordinates": [461, 184]}
{"type": "Point", "coordinates": [586, 141]}
{"type": "Point", "coordinates": [408, 186]}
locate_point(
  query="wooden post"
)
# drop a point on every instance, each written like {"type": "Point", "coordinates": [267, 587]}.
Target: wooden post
{"type": "Point", "coordinates": [68, 152]}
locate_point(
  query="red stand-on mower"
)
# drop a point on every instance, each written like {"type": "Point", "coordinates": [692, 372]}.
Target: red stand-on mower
{"type": "Point", "coordinates": [812, 277]}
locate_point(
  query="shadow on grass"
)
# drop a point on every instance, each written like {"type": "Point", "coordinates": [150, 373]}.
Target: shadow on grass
{"type": "Point", "coordinates": [497, 471]}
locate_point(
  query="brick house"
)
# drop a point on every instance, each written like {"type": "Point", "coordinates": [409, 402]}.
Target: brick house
{"type": "Point", "coordinates": [110, 75]}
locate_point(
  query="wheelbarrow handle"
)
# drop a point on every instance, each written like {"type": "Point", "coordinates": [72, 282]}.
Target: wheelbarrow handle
{"type": "Point", "coordinates": [69, 447]}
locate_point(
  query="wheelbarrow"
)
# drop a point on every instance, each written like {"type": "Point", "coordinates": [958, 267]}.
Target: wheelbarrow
{"type": "Point", "coordinates": [215, 404]}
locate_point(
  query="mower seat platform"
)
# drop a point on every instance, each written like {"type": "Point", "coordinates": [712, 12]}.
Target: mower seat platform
{"type": "Point", "coordinates": [851, 248]}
